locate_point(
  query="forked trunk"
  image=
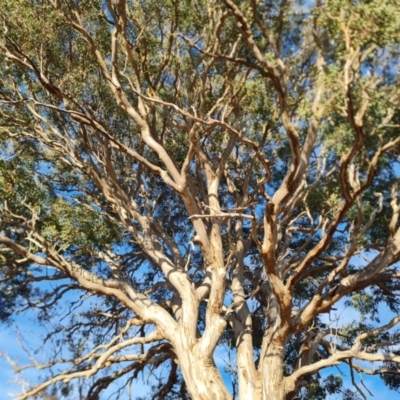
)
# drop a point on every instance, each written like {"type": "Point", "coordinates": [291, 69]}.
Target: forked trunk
{"type": "Point", "coordinates": [204, 382]}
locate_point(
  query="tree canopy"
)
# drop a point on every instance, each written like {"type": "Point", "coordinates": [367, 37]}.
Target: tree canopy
{"type": "Point", "coordinates": [178, 177]}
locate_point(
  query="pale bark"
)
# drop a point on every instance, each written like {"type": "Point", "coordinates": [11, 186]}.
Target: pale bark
{"type": "Point", "coordinates": [202, 377]}
{"type": "Point", "coordinates": [273, 383]}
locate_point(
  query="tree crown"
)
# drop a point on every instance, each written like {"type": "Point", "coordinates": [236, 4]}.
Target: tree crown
{"type": "Point", "coordinates": [177, 176]}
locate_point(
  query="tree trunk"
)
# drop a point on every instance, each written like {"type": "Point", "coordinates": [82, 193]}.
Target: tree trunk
{"type": "Point", "coordinates": [202, 378]}
{"type": "Point", "coordinates": [248, 382]}
{"type": "Point", "coordinates": [204, 381]}
{"type": "Point", "coordinates": [273, 381]}
{"type": "Point", "coordinates": [247, 375]}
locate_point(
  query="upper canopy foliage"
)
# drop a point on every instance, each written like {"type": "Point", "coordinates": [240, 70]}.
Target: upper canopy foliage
{"type": "Point", "coordinates": [180, 174]}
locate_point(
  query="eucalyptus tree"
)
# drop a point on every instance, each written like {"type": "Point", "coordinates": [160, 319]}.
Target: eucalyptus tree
{"type": "Point", "coordinates": [184, 177]}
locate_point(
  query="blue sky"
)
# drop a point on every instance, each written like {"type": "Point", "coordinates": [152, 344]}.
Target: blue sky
{"type": "Point", "coordinates": [32, 334]}
{"type": "Point", "coordinates": [345, 315]}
